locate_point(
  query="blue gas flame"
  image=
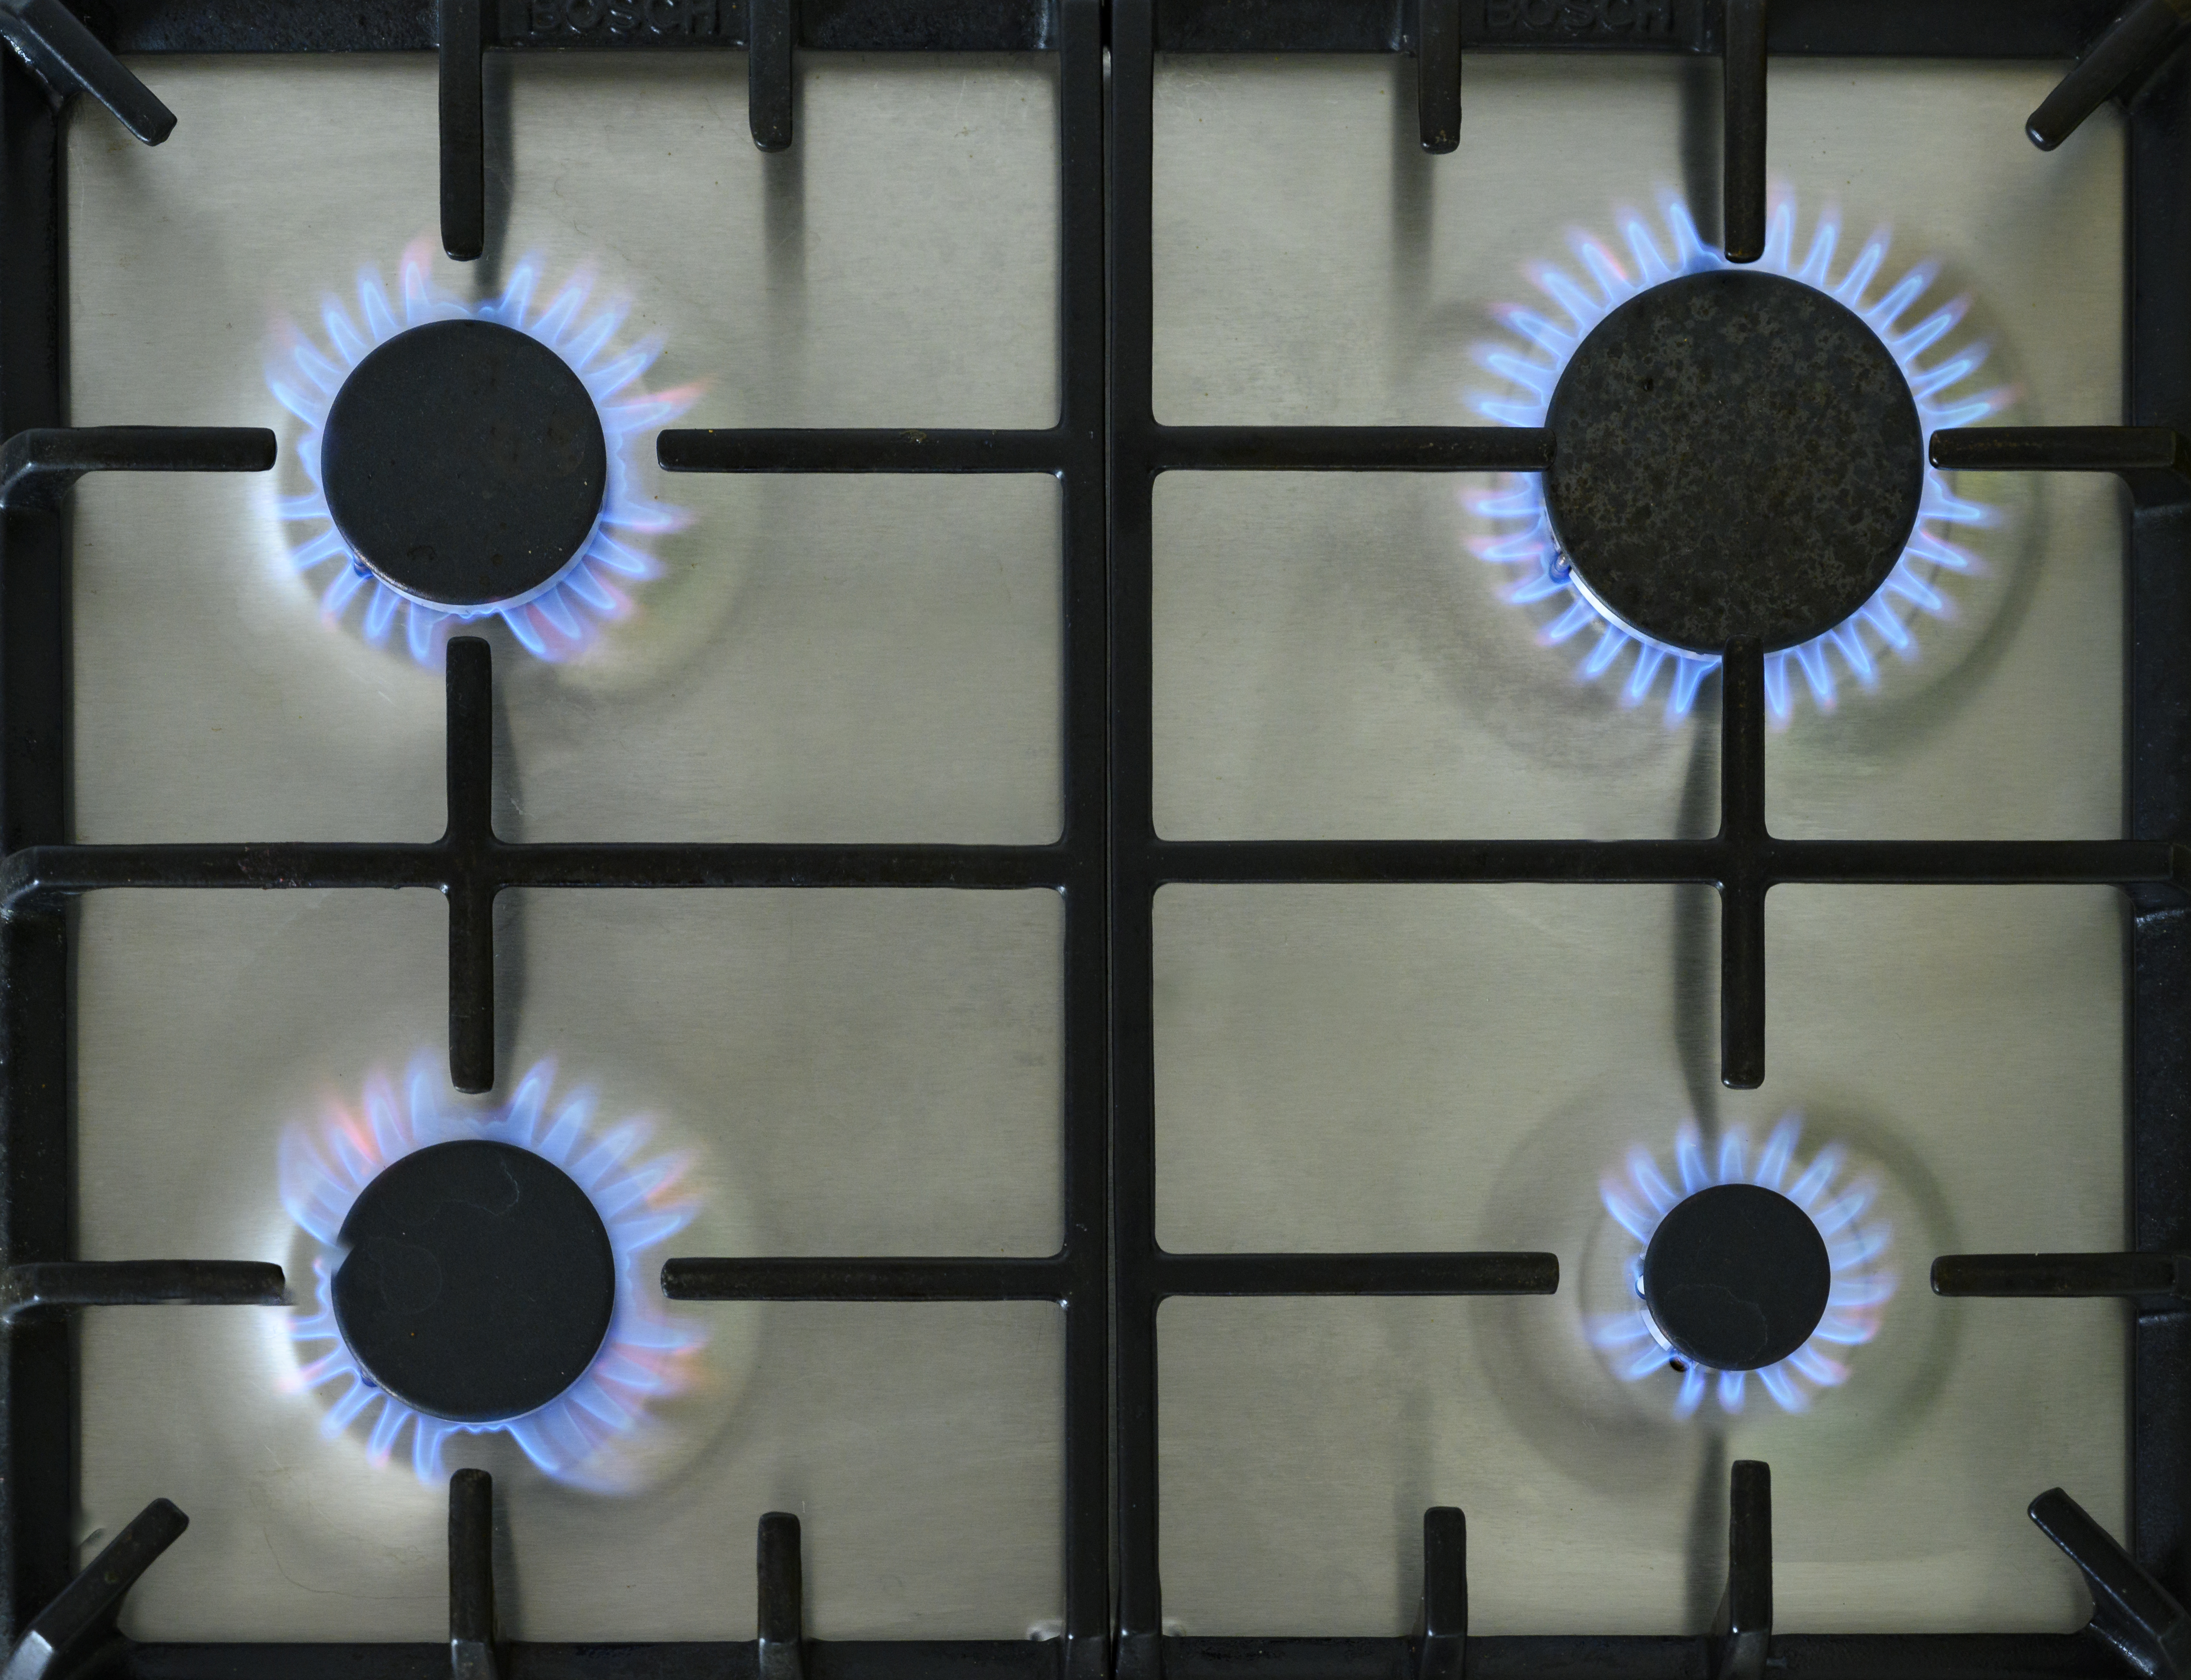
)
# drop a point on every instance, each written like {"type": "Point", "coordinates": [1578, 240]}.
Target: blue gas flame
{"type": "Point", "coordinates": [562, 616]}
{"type": "Point", "coordinates": [1855, 1245]}
{"type": "Point", "coordinates": [1887, 622]}
{"type": "Point", "coordinates": [646, 1354]}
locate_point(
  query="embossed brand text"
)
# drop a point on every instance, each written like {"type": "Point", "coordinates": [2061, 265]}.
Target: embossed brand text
{"type": "Point", "coordinates": [1580, 17]}
{"type": "Point", "coordinates": [621, 18]}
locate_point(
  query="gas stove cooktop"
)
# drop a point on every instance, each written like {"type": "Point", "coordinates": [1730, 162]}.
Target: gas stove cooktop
{"type": "Point", "coordinates": [1173, 681]}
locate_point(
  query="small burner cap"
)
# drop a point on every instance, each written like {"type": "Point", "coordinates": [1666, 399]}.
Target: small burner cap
{"type": "Point", "coordinates": [1736, 1277]}
{"type": "Point", "coordinates": [479, 1282]}
{"type": "Point", "coordinates": [1735, 455]}
{"type": "Point", "coordinates": [464, 462]}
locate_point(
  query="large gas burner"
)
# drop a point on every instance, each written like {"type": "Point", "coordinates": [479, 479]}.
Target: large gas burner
{"type": "Point", "coordinates": [1735, 456]}
{"type": "Point", "coordinates": [1752, 1266]}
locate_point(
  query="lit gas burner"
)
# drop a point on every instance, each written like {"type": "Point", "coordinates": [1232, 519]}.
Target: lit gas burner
{"type": "Point", "coordinates": [475, 461]}
{"type": "Point", "coordinates": [1759, 433]}
{"type": "Point", "coordinates": [1740, 1276]}
{"type": "Point", "coordinates": [485, 1271]}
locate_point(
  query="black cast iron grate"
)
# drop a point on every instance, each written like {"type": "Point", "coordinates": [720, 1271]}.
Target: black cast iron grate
{"type": "Point", "coordinates": [1110, 1275]}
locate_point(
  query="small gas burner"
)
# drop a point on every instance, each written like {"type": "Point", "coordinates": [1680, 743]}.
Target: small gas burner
{"type": "Point", "coordinates": [465, 463]}
{"type": "Point", "coordinates": [1736, 456]}
{"type": "Point", "coordinates": [1740, 1276]}
{"type": "Point", "coordinates": [1736, 1277]}
{"type": "Point", "coordinates": [479, 1281]}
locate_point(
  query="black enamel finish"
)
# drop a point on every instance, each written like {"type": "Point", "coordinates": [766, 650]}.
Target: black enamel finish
{"type": "Point", "coordinates": [478, 1283]}
{"type": "Point", "coordinates": [1735, 1276]}
{"type": "Point", "coordinates": [2062, 1276]}
{"type": "Point", "coordinates": [40, 466]}
{"type": "Point", "coordinates": [1437, 74]}
{"type": "Point", "coordinates": [2124, 54]}
{"type": "Point", "coordinates": [1735, 456]}
{"type": "Point", "coordinates": [2131, 1610]}
{"type": "Point", "coordinates": [463, 128]}
{"type": "Point", "coordinates": [474, 1650]}
{"type": "Point", "coordinates": [1743, 130]}
{"type": "Point", "coordinates": [465, 462]}
{"type": "Point", "coordinates": [69, 58]}
{"type": "Point", "coordinates": [1742, 1627]}
{"type": "Point", "coordinates": [77, 1632]}
{"type": "Point", "coordinates": [43, 1287]}
{"type": "Point", "coordinates": [780, 1618]}
{"type": "Point", "coordinates": [2056, 29]}
{"type": "Point", "coordinates": [768, 82]}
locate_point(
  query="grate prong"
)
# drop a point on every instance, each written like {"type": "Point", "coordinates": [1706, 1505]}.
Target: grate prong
{"type": "Point", "coordinates": [75, 1633]}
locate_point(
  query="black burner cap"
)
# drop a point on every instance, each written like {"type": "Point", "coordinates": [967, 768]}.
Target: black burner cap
{"type": "Point", "coordinates": [1735, 455]}
{"type": "Point", "coordinates": [1737, 1276]}
{"type": "Point", "coordinates": [464, 462]}
{"type": "Point", "coordinates": [479, 1282]}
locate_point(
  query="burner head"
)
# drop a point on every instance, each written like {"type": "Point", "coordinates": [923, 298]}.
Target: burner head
{"type": "Point", "coordinates": [479, 1282]}
{"type": "Point", "coordinates": [1736, 1277]}
{"type": "Point", "coordinates": [1734, 455]}
{"type": "Point", "coordinates": [464, 462]}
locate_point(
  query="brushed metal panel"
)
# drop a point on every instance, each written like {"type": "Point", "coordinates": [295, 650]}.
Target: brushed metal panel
{"type": "Point", "coordinates": [1331, 659]}
{"type": "Point", "coordinates": [291, 1539]}
{"type": "Point", "coordinates": [1458, 1067]}
{"type": "Point", "coordinates": [861, 1072]}
{"type": "Point", "coordinates": [834, 659]}
{"type": "Point", "coordinates": [871, 657]}
{"type": "Point", "coordinates": [1331, 663]}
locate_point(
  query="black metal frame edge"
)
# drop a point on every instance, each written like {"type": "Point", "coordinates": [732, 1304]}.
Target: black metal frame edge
{"type": "Point", "coordinates": [1976, 29]}
{"type": "Point", "coordinates": [44, 870]}
{"type": "Point", "coordinates": [38, 1425]}
{"type": "Point", "coordinates": [1798, 1656]}
{"type": "Point", "coordinates": [2157, 794]}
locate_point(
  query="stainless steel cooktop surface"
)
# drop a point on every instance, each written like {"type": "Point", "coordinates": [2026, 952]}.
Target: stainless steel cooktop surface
{"type": "Point", "coordinates": [872, 658]}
